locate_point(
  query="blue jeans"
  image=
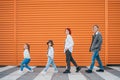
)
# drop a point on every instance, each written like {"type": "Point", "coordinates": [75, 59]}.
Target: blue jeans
{"type": "Point", "coordinates": [97, 57]}
{"type": "Point", "coordinates": [25, 63]}
{"type": "Point", "coordinates": [50, 61]}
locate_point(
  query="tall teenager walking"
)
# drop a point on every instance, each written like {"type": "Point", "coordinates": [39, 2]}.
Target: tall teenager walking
{"type": "Point", "coordinates": [68, 48]}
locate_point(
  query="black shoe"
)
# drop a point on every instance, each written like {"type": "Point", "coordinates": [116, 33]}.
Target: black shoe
{"type": "Point", "coordinates": [89, 71]}
{"type": "Point", "coordinates": [78, 69]}
{"type": "Point", "coordinates": [66, 71]}
{"type": "Point", "coordinates": [100, 70]}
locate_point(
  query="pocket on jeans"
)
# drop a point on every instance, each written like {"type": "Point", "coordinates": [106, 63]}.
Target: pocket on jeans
{"type": "Point", "coordinates": [68, 52]}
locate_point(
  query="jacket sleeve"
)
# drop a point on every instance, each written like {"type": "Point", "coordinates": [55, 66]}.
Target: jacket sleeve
{"type": "Point", "coordinates": [91, 44]}
{"type": "Point", "coordinates": [99, 42]}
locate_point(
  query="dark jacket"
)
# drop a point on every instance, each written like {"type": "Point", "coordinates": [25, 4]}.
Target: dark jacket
{"type": "Point", "coordinates": [96, 42]}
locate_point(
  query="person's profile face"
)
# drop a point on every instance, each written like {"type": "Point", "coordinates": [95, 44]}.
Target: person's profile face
{"type": "Point", "coordinates": [25, 46]}
{"type": "Point", "coordinates": [49, 44]}
{"type": "Point", "coordinates": [95, 29]}
{"type": "Point", "coordinates": [67, 32]}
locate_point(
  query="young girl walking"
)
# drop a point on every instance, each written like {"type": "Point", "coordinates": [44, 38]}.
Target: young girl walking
{"type": "Point", "coordinates": [50, 55]}
{"type": "Point", "coordinates": [26, 59]}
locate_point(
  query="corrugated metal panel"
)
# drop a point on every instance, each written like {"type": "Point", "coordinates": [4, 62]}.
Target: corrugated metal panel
{"type": "Point", "coordinates": [7, 55]}
{"type": "Point", "coordinates": [114, 30]}
{"type": "Point", "coordinates": [41, 20]}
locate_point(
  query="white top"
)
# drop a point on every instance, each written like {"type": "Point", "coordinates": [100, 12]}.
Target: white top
{"type": "Point", "coordinates": [51, 52]}
{"type": "Point", "coordinates": [26, 53]}
{"type": "Point", "coordinates": [69, 43]}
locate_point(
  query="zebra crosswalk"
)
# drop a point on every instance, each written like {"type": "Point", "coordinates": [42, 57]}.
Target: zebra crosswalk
{"type": "Point", "coordinates": [12, 73]}
{"type": "Point", "coordinates": [75, 75]}
{"type": "Point", "coordinates": [116, 68]}
{"type": "Point", "coordinates": [46, 76]}
{"type": "Point", "coordinates": [106, 75]}
{"type": "Point", "coordinates": [6, 68]}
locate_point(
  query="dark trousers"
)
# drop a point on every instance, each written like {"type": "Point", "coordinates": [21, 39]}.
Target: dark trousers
{"type": "Point", "coordinates": [69, 59]}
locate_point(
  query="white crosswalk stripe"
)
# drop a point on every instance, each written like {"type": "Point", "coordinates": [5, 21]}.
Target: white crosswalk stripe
{"type": "Point", "coordinates": [114, 67]}
{"type": "Point", "coordinates": [106, 75]}
{"type": "Point", "coordinates": [14, 75]}
{"type": "Point", "coordinates": [76, 76]}
{"type": "Point", "coordinates": [46, 76]}
{"type": "Point", "coordinates": [6, 68]}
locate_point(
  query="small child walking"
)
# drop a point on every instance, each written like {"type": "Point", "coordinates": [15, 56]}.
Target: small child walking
{"type": "Point", "coordinates": [50, 55]}
{"type": "Point", "coordinates": [26, 59]}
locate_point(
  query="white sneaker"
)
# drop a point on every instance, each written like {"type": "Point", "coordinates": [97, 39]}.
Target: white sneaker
{"type": "Point", "coordinates": [31, 71]}
{"type": "Point", "coordinates": [20, 72]}
{"type": "Point", "coordinates": [56, 71]}
{"type": "Point", "coordinates": [43, 72]}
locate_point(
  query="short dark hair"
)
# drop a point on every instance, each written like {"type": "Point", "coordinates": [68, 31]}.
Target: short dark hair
{"type": "Point", "coordinates": [96, 26]}
{"type": "Point", "coordinates": [68, 30]}
{"type": "Point", "coordinates": [50, 41]}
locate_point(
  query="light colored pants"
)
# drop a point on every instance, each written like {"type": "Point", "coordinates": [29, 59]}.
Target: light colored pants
{"type": "Point", "coordinates": [50, 62]}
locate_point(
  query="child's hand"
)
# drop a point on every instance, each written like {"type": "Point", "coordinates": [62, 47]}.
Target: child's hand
{"type": "Point", "coordinates": [66, 50]}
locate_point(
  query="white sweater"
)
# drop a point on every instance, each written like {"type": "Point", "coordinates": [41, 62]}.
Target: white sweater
{"type": "Point", "coordinates": [51, 52]}
{"type": "Point", "coordinates": [26, 54]}
{"type": "Point", "coordinates": [69, 43]}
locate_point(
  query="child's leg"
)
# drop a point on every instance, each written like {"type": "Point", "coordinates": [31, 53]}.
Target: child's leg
{"type": "Point", "coordinates": [26, 64]}
{"type": "Point", "coordinates": [53, 64]}
{"type": "Point", "coordinates": [22, 65]}
{"type": "Point", "coordinates": [48, 64]}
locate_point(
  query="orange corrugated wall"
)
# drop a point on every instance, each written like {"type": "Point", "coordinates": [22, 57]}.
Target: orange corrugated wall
{"type": "Point", "coordinates": [37, 21]}
{"type": "Point", "coordinates": [114, 32]}
{"type": "Point", "coordinates": [41, 20]}
{"type": "Point", "coordinates": [7, 46]}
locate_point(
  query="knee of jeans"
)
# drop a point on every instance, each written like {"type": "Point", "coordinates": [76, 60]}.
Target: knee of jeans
{"type": "Point", "coordinates": [67, 60]}
{"type": "Point", "coordinates": [48, 63]}
{"type": "Point", "coordinates": [22, 64]}
{"type": "Point", "coordinates": [93, 60]}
